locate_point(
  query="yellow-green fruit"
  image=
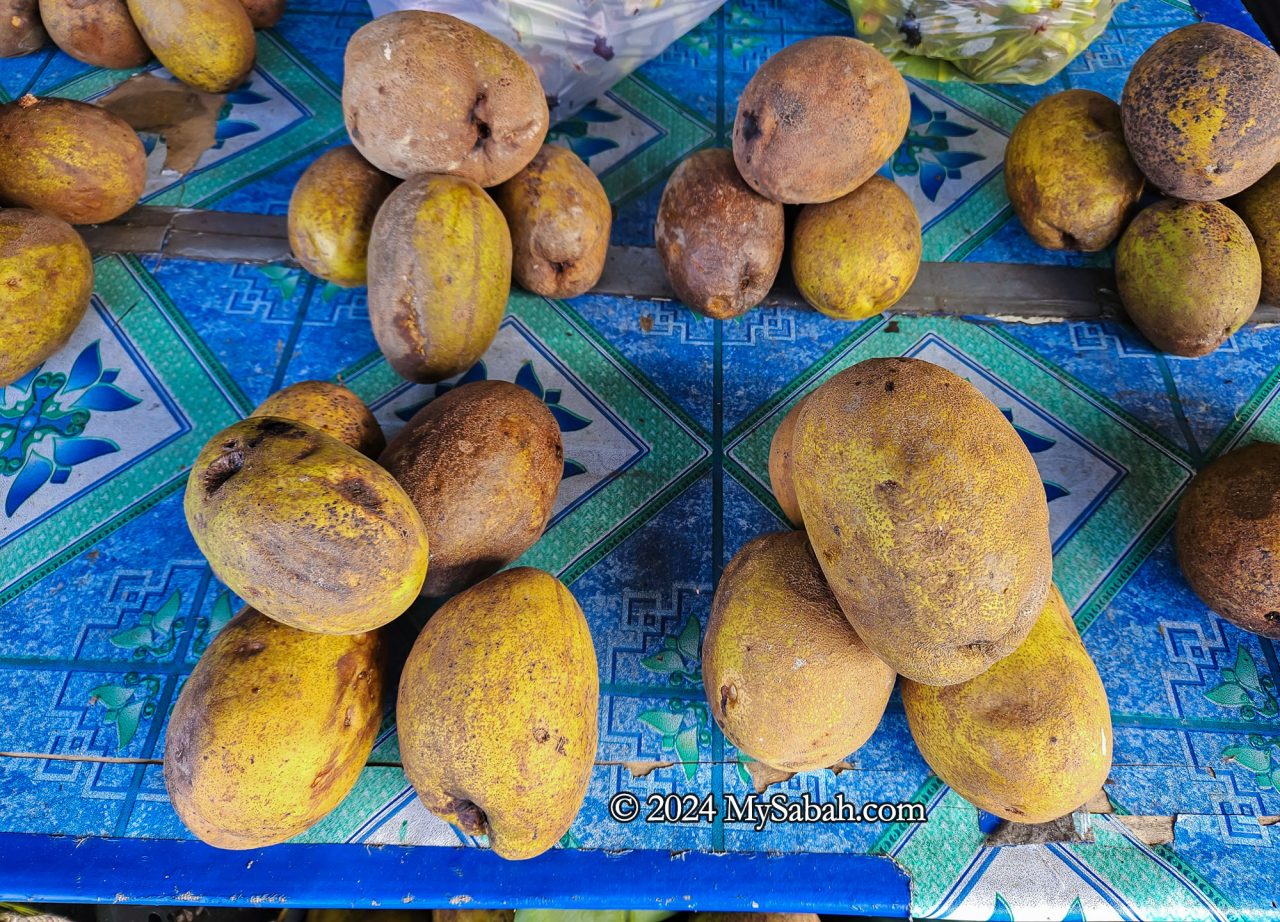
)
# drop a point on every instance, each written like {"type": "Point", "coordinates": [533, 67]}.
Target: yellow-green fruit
{"type": "Point", "coordinates": [332, 409]}
{"type": "Point", "coordinates": [1068, 173]}
{"type": "Point", "coordinates": [1189, 275]}
{"type": "Point", "coordinates": [331, 213]}
{"type": "Point", "coordinates": [927, 515]}
{"type": "Point", "coordinates": [98, 32]}
{"type": "Point", "coordinates": [46, 279]}
{"type": "Point", "coordinates": [426, 92]}
{"type": "Point", "coordinates": [70, 159]}
{"type": "Point", "coordinates": [482, 465]}
{"type": "Point", "coordinates": [207, 44]}
{"type": "Point", "coordinates": [856, 256]}
{"type": "Point", "coordinates": [559, 217]}
{"type": "Point", "coordinates": [1228, 537]}
{"type": "Point", "coordinates": [439, 276]}
{"type": "Point", "coordinates": [818, 119]}
{"type": "Point", "coordinates": [788, 680]}
{"type": "Point", "coordinates": [497, 712]}
{"type": "Point", "coordinates": [271, 730]}
{"type": "Point", "coordinates": [304, 528]}
{"type": "Point", "coordinates": [1199, 112]}
{"type": "Point", "coordinates": [1259, 206]}
{"type": "Point", "coordinates": [780, 460]}
{"type": "Point", "coordinates": [20, 29]}
{"type": "Point", "coordinates": [1028, 740]}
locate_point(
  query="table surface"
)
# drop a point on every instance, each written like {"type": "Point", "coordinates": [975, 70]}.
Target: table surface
{"type": "Point", "coordinates": [105, 602]}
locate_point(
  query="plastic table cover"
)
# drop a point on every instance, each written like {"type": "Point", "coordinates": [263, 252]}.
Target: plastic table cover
{"type": "Point", "coordinates": [105, 602]}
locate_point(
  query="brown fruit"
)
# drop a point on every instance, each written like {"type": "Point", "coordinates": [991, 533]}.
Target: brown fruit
{"type": "Point", "coordinates": [332, 409]}
{"type": "Point", "coordinates": [20, 29]}
{"type": "Point", "coordinates": [482, 465]}
{"type": "Point", "coordinates": [1068, 173]}
{"type": "Point", "coordinates": [331, 214]}
{"type": "Point", "coordinates": [1228, 537]}
{"type": "Point", "coordinates": [720, 242]}
{"type": "Point", "coordinates": [559, 217]}
{"type": "Point", "coordinates": [69, 159]}
{"type": "Point", "coordinates": [439, 276]}
{"type": "Point", "coordinates": [46, 279]}
{"type": "Point", "coordinates": [428, 93]}
{"type": "Point", "coordinates": [98, 32]}
{"type": "Point", "coordinates": [784, 491]}
{"type": "Point", "coordinates": [264, 13]}
{"type": "Point", "coordinates": [1259, 206]}
{"type": "Point", "coordinates": [787, 678]}
{"type": "Point", "coordinates": [1199, 112]}
{"type": "Point", "coordinates": [818, 119]}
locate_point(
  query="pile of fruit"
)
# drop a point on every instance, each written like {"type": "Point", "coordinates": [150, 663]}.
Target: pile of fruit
{"type": "Point", "coordinates": [923, 545]}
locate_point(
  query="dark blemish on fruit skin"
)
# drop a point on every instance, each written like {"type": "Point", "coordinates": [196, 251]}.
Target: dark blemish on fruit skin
{"type": "Point", "coordinates": [250, 648]}
{"type": "Point", "coordinates": [223, 468]}
{"type": "Point", "coordinates": [359, 492]}
{"type": "Point", "coordinates": [750, 126]}
{"type": "Point", "coordinates": [1272, 616]}
{"type": "Point", "coordinates": [888, 387]}
{"type": "Point", "coordinates": [540, 735]}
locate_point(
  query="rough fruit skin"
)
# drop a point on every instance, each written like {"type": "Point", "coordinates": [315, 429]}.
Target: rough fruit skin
{"type": "Point", "coordinates": [207, 44]}
{"type": "Point", "coordinates": [271, 730]}
{"type": "Point", "coordinates": [719, 240]}
{"type": "Point", "coordinates": [98, 32]}
{"type": "Point", "coordinates": [780, 463]}
{"type": "Point", "coordinates": [304, 528]}
{"type": "Point", "coordinates": [70, 159]}
{"type": "Point", "coordinates": [927, 516]}
{"type": "Point", "coordinates": [1068, 174]}
{"type": "Point", "coordinates": [46, 280]}
{"type": "Point", "coordinates": [427, 93]}
{"type": "Point", "coordinates": [1189, 275]}
{"type": "Point", "coordinates": [1259, 206]}
{"type": "Point", "coordinates": [439, 276]}
{"type": "Point", "coordinates": [559, 216]}
{"type": "Point", "coordinates": [786, 676]}
{"type": "Point", "coordinates": [497, 711]}
{"type": "Point", "coordinates": [332, 409]}
{"type": "Point", "coordinates": [331, 213]}
{"type": "Point", "coordinates": [1028, 740]}
{"type": "Point", "coordinates": [857, 256]}
{"type": "Point", "coordinates": [818, 119]}
{"type": "Point", "coordinates": [1199, 112]}
{"type": "Point", "coordinates": [482, 465]}
{"type": "Point", "coordinates": [1228, 537]}
{"type": "Point", "coordinates": [20, 29]}
{"type": "Point", "coordinates": [264, 14]}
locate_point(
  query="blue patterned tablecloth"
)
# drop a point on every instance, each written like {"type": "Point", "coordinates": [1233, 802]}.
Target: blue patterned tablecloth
{"type": "Point", "coordinates": [105, 602]}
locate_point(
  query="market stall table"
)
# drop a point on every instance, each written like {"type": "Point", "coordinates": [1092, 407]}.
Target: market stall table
{"type": "Point", "coordinates": [106, 604]}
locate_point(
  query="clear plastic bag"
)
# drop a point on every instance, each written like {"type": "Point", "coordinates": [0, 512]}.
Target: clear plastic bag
{"type": "Point", "coordinates": [579, 48]}
{"type": "Point", "coordinates": [985, 41]}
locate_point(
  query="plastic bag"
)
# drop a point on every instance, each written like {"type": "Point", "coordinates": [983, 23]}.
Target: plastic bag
{"type": "Point", "coordinates": [578, 48]}
{"type": "Point", "coordinates": [986, 41]}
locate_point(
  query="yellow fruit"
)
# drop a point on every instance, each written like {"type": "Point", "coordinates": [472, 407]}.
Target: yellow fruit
{"type": "Point", "coordinates": [70, 159]}
{"type": "Point", "coordinates": [207, 44]}
{"type": "Point", "coordinates": [332, 409]}
{"type": "Point", "coordinates": [271, 730]}
{"type": "Point", "coordinates": [788, 680]}
{"type": "Point", "coordinates": [1259, 206]}
{"type": "Point", "coordinates": [927, 515]}
{"type": "Point", "coordinates": [497, 712]}
{"type": "Point", "coordinates": [780, 461]}
{"type": "Point", "coordinates": [304, 528]}
{"type": "Point", "coordinates": [46, 280]}
{"type": "Point", "coordinates": [1028, 740]}
{"type": "Point", "coordinates": [1189, 275]}
{"type": "Point", "coordinates": [559, 216]}
{"type": "Point", "coordinates": [857, 256]}
{"type": "Point", "coordinates": [331, 213]}
{"type": "Point", "coordinates": [439, 276]}
{"type": "Point", "coordinates": [1068, 173]}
